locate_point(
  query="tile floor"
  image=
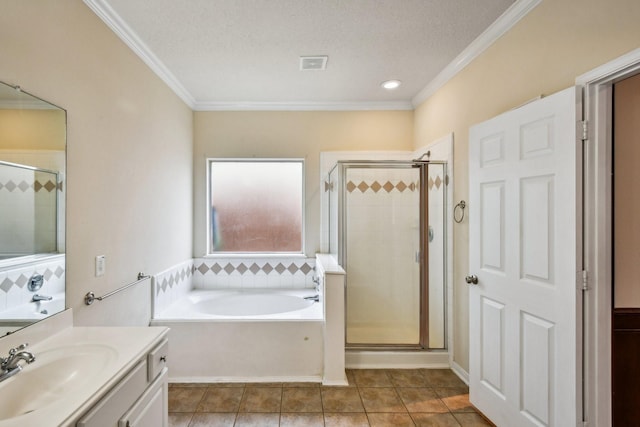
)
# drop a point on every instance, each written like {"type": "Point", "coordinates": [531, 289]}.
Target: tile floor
{"type": "Point", "coordinates": [374, 397]}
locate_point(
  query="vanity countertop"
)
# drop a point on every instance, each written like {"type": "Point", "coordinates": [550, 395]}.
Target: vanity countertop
{"type": "Point", "coordinates": [77, 366]}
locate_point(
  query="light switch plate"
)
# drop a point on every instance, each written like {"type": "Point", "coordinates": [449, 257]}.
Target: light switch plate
{"type": "Point", "coordinates": [100, 265]}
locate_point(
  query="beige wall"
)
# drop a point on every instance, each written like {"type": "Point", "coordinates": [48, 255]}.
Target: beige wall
{"type": "Point", "coordinates": [129, 151]}
{"type": "Point", "coordinates": [32, 130]}
{"type": "Point", "coordinates": [291, 134]}
{"type": "Point", "coordinates": [542, 54]}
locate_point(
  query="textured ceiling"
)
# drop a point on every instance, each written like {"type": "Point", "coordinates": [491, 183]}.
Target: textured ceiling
{"type": "Point", "coordinates": [218, 54]}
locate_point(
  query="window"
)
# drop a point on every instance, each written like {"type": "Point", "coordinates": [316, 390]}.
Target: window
{"type": "Point", "coordinates": [255, 206]}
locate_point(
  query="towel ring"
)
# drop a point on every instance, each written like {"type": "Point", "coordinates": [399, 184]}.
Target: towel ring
{"type": "Point", "coordinates": [460, 206]}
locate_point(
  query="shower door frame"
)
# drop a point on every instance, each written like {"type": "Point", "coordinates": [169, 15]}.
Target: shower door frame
{"type": "Point", "coordinates": [342, 165]}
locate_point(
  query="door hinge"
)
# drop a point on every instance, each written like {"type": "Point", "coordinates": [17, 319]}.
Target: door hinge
{"type": "Point", "coordinates": [585, 280]}
{"type": "Point", "coordinates": [583, 130]}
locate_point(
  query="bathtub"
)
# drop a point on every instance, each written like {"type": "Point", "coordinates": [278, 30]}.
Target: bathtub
{"type": "Point", "coordinates": [269, 335]}
{"type": "Point", "coordinates": [25, 314]}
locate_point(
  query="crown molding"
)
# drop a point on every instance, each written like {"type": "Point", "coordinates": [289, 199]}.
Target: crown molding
{"type": "Point", "coordinates": [303, 106]}
{"type": "Point", "coordinates": [131, 39]}
{"type": "Point", "coordinates": [504, 23]}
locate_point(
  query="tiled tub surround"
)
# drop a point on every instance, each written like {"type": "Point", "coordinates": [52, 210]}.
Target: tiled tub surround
{"type": "Point", "coordinates": [13, 281]}
{"type": "Point", "coordinates": [243, 273]}
{"type": "Point", "coordinates": [280, 347]}
{"type": "Point", "coordinates": [230, 273]}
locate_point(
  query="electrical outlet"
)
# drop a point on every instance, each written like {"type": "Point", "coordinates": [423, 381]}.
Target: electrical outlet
{"type": "Point", "coordinates": [101, 265]}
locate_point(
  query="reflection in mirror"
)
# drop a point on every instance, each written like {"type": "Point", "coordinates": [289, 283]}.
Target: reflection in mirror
{"type": "Point", "coordinates": [32, 208]}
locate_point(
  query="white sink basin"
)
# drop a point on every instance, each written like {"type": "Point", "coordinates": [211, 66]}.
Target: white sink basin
{"type": "Point", "coordinates": [54, 374]}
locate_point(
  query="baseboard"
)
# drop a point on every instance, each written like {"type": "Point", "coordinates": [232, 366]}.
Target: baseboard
{"type": "Point", "coordinates": [355, 359]}
{"type": "Point", "coordinates": [194, 380]}
{"type": "Point", "coordinates": [457, 369]}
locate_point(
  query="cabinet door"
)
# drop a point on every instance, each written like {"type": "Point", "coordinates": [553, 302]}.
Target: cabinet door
{"type": "Point", "coordinates": [110, 408]}
{"type": "Point", "coordinates": [151, 410]}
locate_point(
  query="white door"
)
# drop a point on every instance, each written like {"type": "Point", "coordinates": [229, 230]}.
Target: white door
{"type": "Point", "coordinates": [523, 311]}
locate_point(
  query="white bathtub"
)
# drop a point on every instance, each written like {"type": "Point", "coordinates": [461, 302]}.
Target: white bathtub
{"type": "Point", "coordinates": [244, 335]}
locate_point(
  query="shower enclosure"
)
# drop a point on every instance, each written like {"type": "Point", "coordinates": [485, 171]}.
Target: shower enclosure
{"type": "Point", "coordinates": [387, 229]}
{"type": "Point", "coordinates": [28, 210]}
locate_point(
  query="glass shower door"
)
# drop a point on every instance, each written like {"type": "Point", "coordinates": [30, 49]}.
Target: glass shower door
{"type": "Point", "coordinates": [382, 254]}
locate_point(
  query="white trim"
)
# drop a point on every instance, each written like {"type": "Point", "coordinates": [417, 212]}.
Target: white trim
{"type": "Point", "coordinates": [607, 72]}
{"type": "Point", "coordinates": [213, 380]}
{"type": "Point", "coordinates": [461, 373]}
{"type": "Point", "coordinates": [131, 39]}
{"type": "Point", "coordinates": [357, 359]}
{"type": "Point", "coordinates": [303, 106]}
{"type": "Point", "coordinates": [597, 88]}
{"type": "Point", "coordinates": [504, 23]}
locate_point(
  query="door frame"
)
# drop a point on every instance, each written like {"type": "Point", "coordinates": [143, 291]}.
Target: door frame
{"type": "Point", "coordinates": [342, 166]}
{"type": "Point", "coordinates": [597, 88]}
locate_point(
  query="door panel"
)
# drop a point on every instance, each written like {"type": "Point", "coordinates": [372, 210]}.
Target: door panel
{"type": "Point", "coordinates": [522, 241]}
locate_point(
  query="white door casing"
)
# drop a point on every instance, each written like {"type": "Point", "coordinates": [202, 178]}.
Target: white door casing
{"type": "Point", "coordinates": [523, 247]}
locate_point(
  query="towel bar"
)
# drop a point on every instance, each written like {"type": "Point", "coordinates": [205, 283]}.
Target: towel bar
{"type": "Point", "coordinates": [90, 297]}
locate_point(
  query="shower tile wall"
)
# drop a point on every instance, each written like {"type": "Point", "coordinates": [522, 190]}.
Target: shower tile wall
{"type": "Point", "coordinates": [381, 263]}
{"type": "Point", "coordinates": [13, 281]}
{"type": "Point", "coordinates": [20, 192]}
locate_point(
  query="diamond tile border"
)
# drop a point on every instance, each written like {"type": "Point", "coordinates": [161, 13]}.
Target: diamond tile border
{"type": "Point", "coordinates": [206, 266]}
{"type": "Point", "coordinates": [376, 186]}
{"type": "Point", "coordinates": [14, 280]}
{"type": "Point", "coordinates": [36, 186]}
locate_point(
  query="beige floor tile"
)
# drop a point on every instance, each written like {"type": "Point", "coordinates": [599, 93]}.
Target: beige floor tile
{"type": "Point", "coordinates": [345, 420]}
{"type": "Point", "coordinates": [213, 420]}
{"type": "Point", "coordinates": [390, 420]}
{"type": "Point", "coordinates": [261, 399]}
{"type": "Point", "coordinates": [421, 399]}
{"type": "Point", "coordinates": [179, 419]}
{"type": "Point", "coordinates": [371, 378]}
{"type": "Point", "coordinates": [407, 378]}
{"type": "Point", "coordinates": [301, 399]}
{"type": "Point", "coordinates": [341, 399]}
{"type": "Point", "coordinates": [185, 399]}
{"type": "Point", "coordinates": [221, 399]}
{"type": "Point", "coordinates": [381, 399]}
{"type": "Point", "coordinates": [257, 420]}
{"type": "Point", "coordinates": [442, 378]}
{"type": "Point", "coordinates": [435, 420]}
{"type": "Point", "coordinates": [456, 399]}
{"type": "Point", "coordinates": [301, 420]}
{"type": "Point", "coordinates": [471, 420]}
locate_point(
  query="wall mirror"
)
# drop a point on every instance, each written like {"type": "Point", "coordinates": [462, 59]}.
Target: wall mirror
{"type": "Point", "coordinates": [33, 137]}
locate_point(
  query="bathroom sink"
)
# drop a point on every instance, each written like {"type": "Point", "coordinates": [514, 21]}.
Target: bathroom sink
{"type": "Point", "coordinates": [54, 374]}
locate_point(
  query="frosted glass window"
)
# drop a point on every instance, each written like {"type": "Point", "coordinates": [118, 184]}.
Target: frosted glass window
{"type": "Point", "coordinates": [255, 206]}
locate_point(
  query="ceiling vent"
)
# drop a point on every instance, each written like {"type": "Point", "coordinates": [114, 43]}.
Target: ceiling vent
{"type": "Point", "coordinates": [313, 63]}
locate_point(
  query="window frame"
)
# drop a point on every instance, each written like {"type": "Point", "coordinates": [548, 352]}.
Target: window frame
{"type": "Point", "coordinates": [238, 254]}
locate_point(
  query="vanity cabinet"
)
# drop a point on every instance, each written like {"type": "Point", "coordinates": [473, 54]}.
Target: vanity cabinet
{"type": "Point", "coordinates": [140, 399]}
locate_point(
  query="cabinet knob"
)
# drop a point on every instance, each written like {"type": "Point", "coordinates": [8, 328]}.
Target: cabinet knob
{"type": "Point", "coordinates": [163, 359]}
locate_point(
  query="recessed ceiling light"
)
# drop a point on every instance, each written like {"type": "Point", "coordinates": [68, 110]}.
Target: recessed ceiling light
{"type": "Point", "coordinates": [391, 84]}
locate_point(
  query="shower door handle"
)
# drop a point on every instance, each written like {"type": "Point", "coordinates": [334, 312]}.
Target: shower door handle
{"type": "Point", "coordinates": [472, 279]}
